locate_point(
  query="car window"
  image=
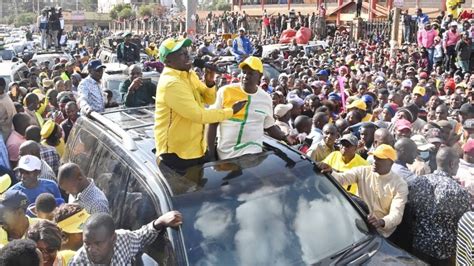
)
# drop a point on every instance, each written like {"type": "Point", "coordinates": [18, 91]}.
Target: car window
{"type": "Point", "coordinates": [139, 210]}
{"type": "Point", "coordinates": [114, 86]}
{"type": "Point", "coordinates": [111, 176]}
{"type": "Point", "coordinates": [261, 212]}
{"type": "Point", "coordinates": [84, 148]}
{"type": "Point", "coordinates": [6, 54]}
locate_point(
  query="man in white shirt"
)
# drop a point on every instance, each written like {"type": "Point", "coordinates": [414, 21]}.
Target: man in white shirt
{"type": "Point", "coordinates": [243, 133]}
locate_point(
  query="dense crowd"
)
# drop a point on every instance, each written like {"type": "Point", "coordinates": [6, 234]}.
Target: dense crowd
{"type": "Point", "coordinates": [394, 125]}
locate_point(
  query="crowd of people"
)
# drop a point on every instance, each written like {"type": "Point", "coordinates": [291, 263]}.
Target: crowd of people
{"type": "Point", "coordinates": [394, 126]}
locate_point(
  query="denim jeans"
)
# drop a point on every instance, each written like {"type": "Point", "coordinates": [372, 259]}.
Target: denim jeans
{"type": "Point", "coordinates": [430, 57]}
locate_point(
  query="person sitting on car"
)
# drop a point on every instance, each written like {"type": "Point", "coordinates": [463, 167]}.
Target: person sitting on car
{"type": "Point", "coordinates": [243, 132]}
{"type": "Point", "coordinates": [119, 247]}
{"type": "Point", "coordinates": [136, 91]}
{"type": "Point", "coordinates": [151, 51]}
{"type": "Point", "coordinates": [379, 187]}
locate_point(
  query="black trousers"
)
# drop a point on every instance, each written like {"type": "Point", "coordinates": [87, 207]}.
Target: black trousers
{"type": "Point", "coordinates": [179, 165]}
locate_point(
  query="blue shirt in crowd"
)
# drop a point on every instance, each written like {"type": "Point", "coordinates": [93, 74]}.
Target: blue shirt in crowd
{"type": "Point", "coordinates": [44, 186]}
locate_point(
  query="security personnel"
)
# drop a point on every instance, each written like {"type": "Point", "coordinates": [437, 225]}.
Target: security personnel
{"type": "Point", "coordinates": [127, 52]}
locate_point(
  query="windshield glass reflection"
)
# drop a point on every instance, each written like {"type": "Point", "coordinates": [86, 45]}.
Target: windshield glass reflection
{"type": "Point", "coordinates": [266, 214]}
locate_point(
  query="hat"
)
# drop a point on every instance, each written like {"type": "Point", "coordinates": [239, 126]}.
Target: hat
{"type": "Point", "coordinates": [423, 75]}
{"type": "Point", "coordinates": [352, 139]}
{"type": "Point", "coordinates": [385, 151]}
{"type": "Point", "coordinates": [74, 223]}
{"type": "Point", "coordinates": [422, 143]}
{"type": "Point", "coordinates": [469, 147]}
{"type": "Point", "coordinates": [95, 64]}
{"type": "Point", "coordinates": [322, 72]}
{"type": "Point", "coordinates": [29, 163]}
{"type": "Point", "coordinates": [333, 96]}
{"type": "Point", "coordinates": [407, 83]}
{"type": "Point", "coordinates": [316, 84]}
{"type": "Point", "coordinates": [14, 199]}
{"type": "Point", "coordinates": [47, 129]}
{"type": "Point", "coordinates": [367, 99]}
{"type": "Point", "coordinates": [450, 84]}
{"type": "Point", "coordinates": [295, 100]}
{"type": "Point", "coordinates": [434, 135]}
{"type": "Point", "coordinates": [359, 104]}
{"type": "Point", "coordinates": [254, 63]}
{"type": "Point", "coordinates": [391, 107]}
{"type": "Point", "coordinates": [242, 29]}
{"type": "Point", "coordinates": [282, 109]}
{"type": "Point", "coordinates": [402, 124]}
{"type": "Point", "coordinates": [5, 182]}
{"type": "Point", "coordinates": [48, 83]}
{"type": "Point", "coordinates": [419, 90]}
{"type": "Point", "coordinates": [152, 44]}
{"type": "Point", "coordinates": [469, 124]}
{"type": "Point", "coordinates": [172, 45]}
{"type": "Point", "coordinates": [467, 108]}
{"type": "Point", "coordinates": [453, 24]}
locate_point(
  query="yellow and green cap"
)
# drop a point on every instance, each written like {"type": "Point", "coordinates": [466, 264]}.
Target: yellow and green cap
{"type": "Point", "coordinates": [172, 45]}
{"type": "Point", "coordinates": [253, 62]}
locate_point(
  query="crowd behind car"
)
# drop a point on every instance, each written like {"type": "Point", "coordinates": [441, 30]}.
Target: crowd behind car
{"type": "Point", "coordinates": [394, 125]}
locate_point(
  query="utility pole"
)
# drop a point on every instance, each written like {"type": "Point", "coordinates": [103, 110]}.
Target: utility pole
{"type": "Point", "coordinates": [191, 7]}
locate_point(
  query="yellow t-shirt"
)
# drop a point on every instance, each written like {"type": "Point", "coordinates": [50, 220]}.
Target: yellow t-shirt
{"type": "Point", "coordinates": [59, 148]}
{"type": "Point", "coordinates": [367, 118]}
{"type": "Point", "coordinates": [4, 234]}
{"type": "Point", "coordinates": [335, 160]}
{"type": "Point", "coordinates": [63, 257]}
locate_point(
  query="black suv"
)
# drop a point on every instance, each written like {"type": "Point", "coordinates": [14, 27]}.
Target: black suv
{"type": "Point", "coordinates": [272, 208]}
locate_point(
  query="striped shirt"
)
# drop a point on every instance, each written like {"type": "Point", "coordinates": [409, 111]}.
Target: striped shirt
{"type": "Point", "coordinates": [465, 240]}
{"type": "Point", "coordinates": [90, 93]}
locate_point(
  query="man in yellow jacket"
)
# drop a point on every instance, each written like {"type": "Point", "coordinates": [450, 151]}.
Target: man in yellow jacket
{"type": "Point", "coordinates": [180, 114]}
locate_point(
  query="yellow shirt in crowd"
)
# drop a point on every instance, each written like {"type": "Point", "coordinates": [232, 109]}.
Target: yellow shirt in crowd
{"type": "Point", "coordinates": [180, 114]}
{"type": "Point", "coordinates": [337, 163]}
{"type": "Point", "coordinates": [386, 195]}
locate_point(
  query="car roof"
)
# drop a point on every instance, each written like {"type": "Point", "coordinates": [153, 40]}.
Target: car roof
{"type": "Point", "coordinates": [137, 136]}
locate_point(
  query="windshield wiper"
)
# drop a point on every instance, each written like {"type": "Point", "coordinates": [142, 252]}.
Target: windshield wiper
{"type": "Point", "coordinates": [343, 253]}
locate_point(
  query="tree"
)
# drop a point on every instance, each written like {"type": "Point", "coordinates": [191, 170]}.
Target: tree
{"type": "Point", "coordinates": [126, 13]}
{"type": "Point", "coordinates": [115, 11]}
{"type": "Point", "coordinates": [145, 11]}
{"type": "Point", "coordinates": [25, 19]}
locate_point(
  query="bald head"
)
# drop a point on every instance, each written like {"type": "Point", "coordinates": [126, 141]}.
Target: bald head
{"type": "Point", "coordinates": [100, 221]}
{"type": "Point", "coordinates": [383, 136]}
{"type": "Point", "coordinates": [407, 151]}
{"type": "Point", "coordinates": [320, 119]}
{"type": "Point", "coordinates": [33, 133]}
{"type": "Point", "coordinates": [447, 160]}
{"type": "Point", "coordinates": [69, 171]}
{"type": "Point", "coordinates": [30, 147]}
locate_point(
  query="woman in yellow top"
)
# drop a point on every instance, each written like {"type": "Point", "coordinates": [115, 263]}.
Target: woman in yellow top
{"type": "Point", "coordinates": [346, 158]}
{"type": "Point", "coordinates": [70, 218]}
{"type": "Point", "coordinates": [47, 236]}
{"type": "Point", "coordinates": [151, 50]}
{"type": "Point", "coordinates": [52, 136]}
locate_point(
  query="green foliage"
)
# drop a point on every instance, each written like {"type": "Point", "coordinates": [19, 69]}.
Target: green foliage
{"type": "Point", "coordinates": [125, 13]}
{"type": "Point", "coordinates": [214, 5]}
{"type": "Point", "coordinates": [146, 10]}
{"type": "Point", "coordinates": [115, 11]}
{"type": "Point", "coordinates": [24, 19]}
{"type": "Point", "coordinates": [223, 6]}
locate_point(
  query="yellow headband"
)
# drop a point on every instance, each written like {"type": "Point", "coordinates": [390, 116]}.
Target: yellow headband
{"type": "Point", "coordinates": [74, 223]}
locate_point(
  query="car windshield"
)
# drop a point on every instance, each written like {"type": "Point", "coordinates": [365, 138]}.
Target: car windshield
{"type": "Point", "coordinates": [6, 54]}
{"type": "Point", "coordinates": [261, 210]}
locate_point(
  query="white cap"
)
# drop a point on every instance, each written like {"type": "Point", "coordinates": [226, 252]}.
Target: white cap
{"type": "Point", "coordinates": [454, 23]}
{"type": "Point", "coordinates": [29, 163]}
{"type": "Point", "coordinates": [407, 83]}
{"type": "Point", "coordinates": [282, 109]}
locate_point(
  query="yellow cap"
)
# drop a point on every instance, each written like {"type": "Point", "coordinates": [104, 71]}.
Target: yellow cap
{"type": "Point", "coordinates": [5, 182]}
{"type": "Point", "coordinates": [254, 63]}
{"type": "Point", "coordinates": [419, 90]}
{"type": "Point", "coordinates": [359, 104]}
{"type": "Point", "coordinates": [47, 129]}
{"type": "Point", "coordinates": [48, 83]}
{"type": "Point", "coordinates": [385, 151]}
{"type": "Point", "coordinates": [172, 45]}
{"type": "Point", "coordinates": [74, 223]}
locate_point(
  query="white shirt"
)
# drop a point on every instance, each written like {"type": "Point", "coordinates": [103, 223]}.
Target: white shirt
{"type": "Point", "coordinates": [243, 133]}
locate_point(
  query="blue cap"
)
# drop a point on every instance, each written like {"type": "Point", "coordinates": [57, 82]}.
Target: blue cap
{"type": "Point", "coordinates": [14, 199]}
{"type": "Point", "coordinates": [333, 96]}
{"type": "Point", "coordinates": [95, 64]}
{"type": "Point", "coordinates": [367, 99]}
{"type": "Point", "coordinates": [323, 72]}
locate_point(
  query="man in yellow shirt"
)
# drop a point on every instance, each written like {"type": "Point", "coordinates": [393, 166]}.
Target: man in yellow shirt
{"type": "Point", "coordinates": [346, 159]}
{"type": "Point", "coordinates": [180, 114]}
{"type": "Point", "coordinates": [382, 190]}
{"type": "Point", "coordinates": [14, 222]}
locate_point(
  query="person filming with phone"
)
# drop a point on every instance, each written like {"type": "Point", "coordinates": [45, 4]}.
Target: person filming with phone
{"type": "Point", "coordinates": [137, 91]}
